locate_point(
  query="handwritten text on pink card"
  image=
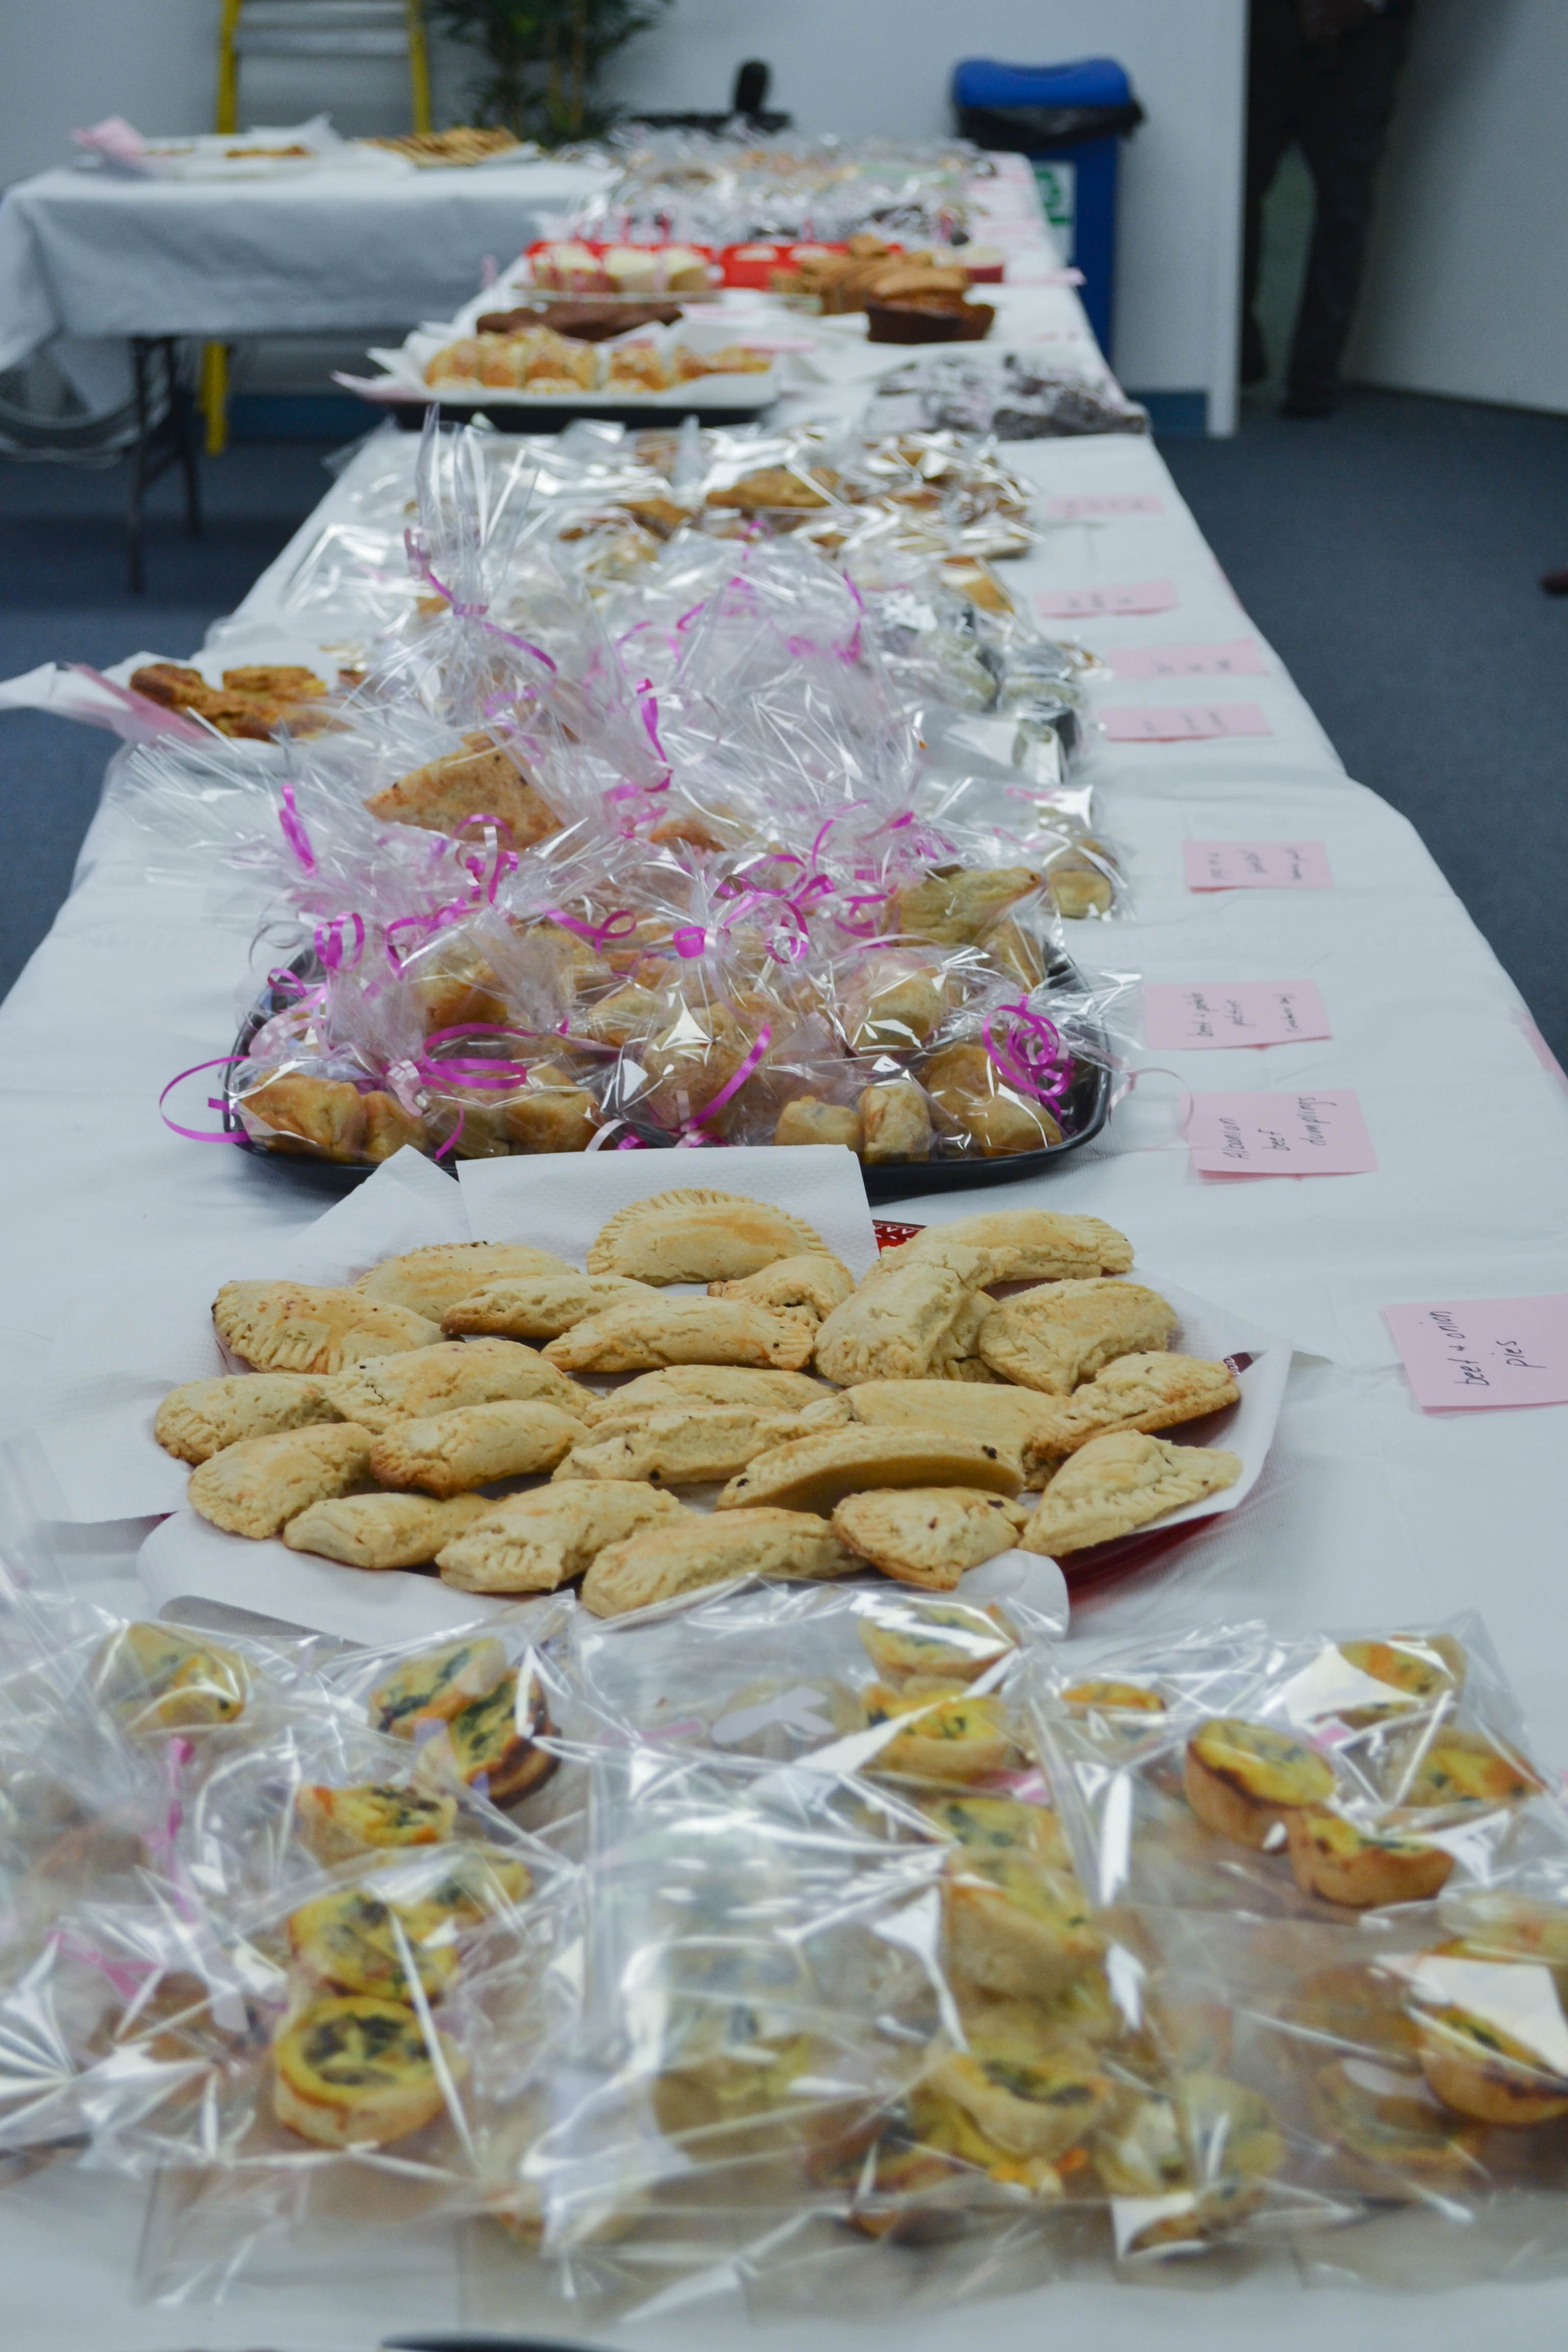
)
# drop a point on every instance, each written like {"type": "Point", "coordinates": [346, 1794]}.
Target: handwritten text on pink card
{"type": "Point", "coordinates": [1185, 722]}
{"type": "Point", "coordinates": [1471, 1353]}
{"type": "Point", "coordinates": [1280, 1135]}
{"type": "Point", "coordinates": [1082, 509]}
{"type": "Point", "coordinates": [1239, 658]}
{"type": "Point", "coordinates": [1085, 604]}
{"type": "Point", "coordinates": [1256, 866]}
{"type": "Point", "coordinates": [1187, 1018]}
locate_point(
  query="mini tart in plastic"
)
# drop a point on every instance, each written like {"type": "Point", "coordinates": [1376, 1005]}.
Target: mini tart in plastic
{"type": "Point", "coordinates": [1473, 2062]}
{"type": "Point", "coordinates": [437, 1684]}
{"type": "Point", "coordinates": [354, 1940]}
{"type": "Point", "coordinates": [1331, 1856]}
{"type": "Point", "coordinates": [485, 1746]}
{"type": "Point", "coordinates": [358, 2073]}
{"type": "Point", "coordinates": [1243, 1779]}
{"type": "Point", "coordinates": [1388, 2123]}
{"type": "Point", "coordinates": [957, 1641]}
{"type": "Point", "coordinates": [1031, 2093]}
{"type": "Point", "coordinates": [337, 1823]}
{"type": "Point", "coordinates": [1016, 1927]}
{"type": "Point", "coordinates": [956, 1738]}
{"type": "Point", "coordinates": [1465, 1768]}
{"type": "Point", "coordinates": [1113, 1698]}
{"type": "Point", "coordinates": [1419, 1669]}
{"type": "Point", "coordinates": [154, 1678]}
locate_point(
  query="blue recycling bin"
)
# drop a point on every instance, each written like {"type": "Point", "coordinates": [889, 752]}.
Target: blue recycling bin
{"type": "Point", "coordinates": [1070, 122]}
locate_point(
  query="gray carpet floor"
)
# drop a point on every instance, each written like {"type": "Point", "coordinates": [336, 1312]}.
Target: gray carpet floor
{"type": "Point", "coordinates": [1389, 552]}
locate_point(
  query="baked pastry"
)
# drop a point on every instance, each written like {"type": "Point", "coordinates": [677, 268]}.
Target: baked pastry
{"type": "Point", "coordinates": [638, 367]}
{"type": "Point", "coordinates": [431, 1280]}
{"type": "Point", "coordinates": [435, 1685]}
{"type": "Point", "coordinates": [895, 1123]}
{"type": "Point", "coordinates": [202, 1417]}
{"type": "Point", "coordinates": [890, 1007]}
{"type": "Point", "coordinates": [808, 1119]}
{"type": "Point", "coordinates": [354, 2071]}
{"type": "Point", "coordinates": [815, 1474]}
{"type": "Point", "coordinates": [1115, 1485]}
{"type": "Point", "coordinates": [341, 1824]}
{"type": "Point", "coordinates": [1015, 1926]}
{"type": "Point", "coordinates": [952, 1642]}
{"type": "Point", "coordinates": [1362, 1869]}
{"type": "Point", "coordinates": [776, 486]}
{"type": "Point", "coordinates": [453, 1453]}
{"type": "Point", "coordinates": [928, 1534]}
{"type": "Point", "coordinates": [1391, 2128]}
{"type": "Point", "coordinates": [297, 1326]}
{"type": "Point", "coordinates": [1420, 1669]}
{"type": "Point", "coordinates": [1030, 1244]}
{"type": "Point", "coordinates": [538, 1541]}
{"type": "Point", "coordinates": [355, 1941]}
{"type": "Point", "coordinates": [953, 904]}
{"type": "Point", "coordinates": [297, 1110]}
{"type": "Point", "coordinates": [1114, 1697]}
{"type": "Point", "coordinates": [492, 1744]}
{"type": "Point", "coordinates": [813, 1280]}
{"type": "Point", "coordinates": [380, 1531]}
{"type": "Point", "coordinates": [678, 1447]}
{"type": "Point", "coordinates": [698, 1236]}
{"type": "Point", "coordinates": [953, 1737]}
{"type": "Point", "coordinates": [1057, 1337]}
{"type": "Point", "coordinates": [642, 1334]}
{"type": "Point", "coordinates": [255, 1487]}
{"type": "Point", "coordinates": [388, 1127]}
{"type": "Point", "coordinates": [954, 1408]}
{"type": "Point", "coordinates": [907, 1322]}
{"type": "Point", "coordinates": [1149, 1390]}
{"type": "Point", "coordinates": [481, 780]}
{"type": "Point", "coordinates": [1244, 1780]}
{"type": "Point", "coordinates": [472, 1883]}
{"type": "Point", "coordinates": [706, 1384]}
{"type": "Point", "coordinates": [553, 1113]}
{"type": "Point", "coordinates": [1475, 2044]}
{"type": "Point", "coordinates": [539, 1307]}
{"type": "Point", "coordinates": [1079, 888]}
{"type": "Point", "coordinates": [973, 1103]}
{"type": "Point", "coordinates": [663, 1563]}
{"type": "Point", "coordinates": [1463, 1768]}
{"type": "Point", "coordinates": [155, 1679]}
{"type": "Point", "coordinates": [1031, 2091]}
{"type": "Point", "coordinates": [442, 1378]}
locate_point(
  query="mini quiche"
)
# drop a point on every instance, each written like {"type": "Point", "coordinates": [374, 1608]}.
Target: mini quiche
{"type": "Point", "coordinates": [1387, 2121]}
{"type": "Point", "coordinates": [436, 1684]}
{"type": "Point", "coordinates": [998, 1825]}
{"type": "Point", "coordinates": [154, 1678]}
{"type": "Point", "coordinates": [1474, 2063]}
{"type": "Point", "coordinates": [492, 1744]}
{"type": "Point", "coordinates": [1031, 2092]}
{"type": "Point", "coordinates": [354, 2071]}
{"type": "Point", "coordinates": [357, 1943]}
{"type": "Point", "coordinates": [1419, 1669]}
{"type": "Point", "coordinates": [339, 1823]}
{"type": "Point", "coordinates": [949, 1738]}
{"type": "Point", "coordinates": [955, 1641]}
{"type": "Point", "coordinates": [1332, 1857]}
{"type": "Point", "coordinates": [942, 2123]}
{"type": "Point", "coordinates": [1114, 1697]}
{"type": "Point", "coordinates": [1244, 1780]}
{"type": "Point", "coordinates": [1465, 1768]}
{"type": "Point", "coordinates": [1016, 1927]}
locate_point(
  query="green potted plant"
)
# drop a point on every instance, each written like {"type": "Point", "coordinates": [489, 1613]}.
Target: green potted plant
{"type": "Point", "coordinates": [542, 59]}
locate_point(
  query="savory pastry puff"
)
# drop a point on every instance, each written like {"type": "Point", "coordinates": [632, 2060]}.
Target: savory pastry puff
{"type": "Point", "coordinates": [1244, 1780]}
{"type": "Point", "coordinates": [492, 1744]}
{"type": "Point", "coordinates": [928, 1534]}
{"type": "Point", "coordinates": [539, 1307]}
{"type": "Point", "coordinates": [299, 1326]}
{"type": "Point", "coordinates": [1144, 1391]}
{"type": "Point", "coordinates": [808, 1119]}
{"type": "Point", "coordinates": [813, 1280]}
{"type": "Point", "coordinates": [906, 1322]}
{"type": "Point", "coordinates": [666, 1561]}
{"type": "Point", "coordinates": [340, 1824]}
{"type": "Point", "coordinates": [255, 1487]}
{"type": "Point", "coordinates": [1113, 1486]}
{"type": "Point", "coordinates": [1061, 1334]}
{"type": "Point", "coordinates": [815, 1474]}
{"type": "Point", "coordinates": [953, 904]}
{"type": "Point", "coordinates": [453, 1453]}
{"type": "Point", "coordinates": [953, 1737]}
{"type": "Point", "coordinates": [952, 1642]}
{"type": "Point", "coordinates": [451, 1373]}
{"type": "Point", "coordinates": [539, 1541]}
{"type": "Point", "coordinates": [642, 1335]}
{"type": "Point", "coordinates": [202, 1417]}
{"type": "Point", "coordinates": [354, 2071]}
{"type": "Point", "coordinates": [430, 1280]}
{"type": "Point", "coordinates": [1362, 1869]}
{"type": "Point", "coordinates": [435, 1685]}
{"type": "Point", "coordinates": [353, 1941]}
{"type": "Point", "coordinates": [698, 1234]}
{"type": "Point", "coordinates": [678, 1447]}
{"type": "Point", "coordinates": [382, 1531]}
{"type": "Point", "coordinates": [1030, 1244]}
{"type": "Point", "coordinates": [154, 1678]}
{"type": "Point", "coordinates": [895, 1123]}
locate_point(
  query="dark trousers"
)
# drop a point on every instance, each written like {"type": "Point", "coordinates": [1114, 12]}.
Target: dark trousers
{"type": "Point", "coordinates": [1334, 101]}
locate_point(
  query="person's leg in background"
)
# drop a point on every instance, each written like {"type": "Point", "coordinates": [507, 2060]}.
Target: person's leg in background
{"type": "Point", "coordinates": [1345, 101]}
{"type": "Point", "coordinates": [1273, 75]}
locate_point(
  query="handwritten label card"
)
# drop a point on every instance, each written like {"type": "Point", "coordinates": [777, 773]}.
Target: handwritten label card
{"type": "Point", "coordinates": [1232, 1012]}
{"type": "Point", "coordinates": [1085, 604]}
{"type": "Point", "coordinates": [1256, 866]}
{"type": "Point", "coordinates": [1239, 658]}
{"type": "Point", "coordinates": [1190, 722]}
{"type": "Point", "coordinates": [1470, 1353]}
{"type": "Point", "coordinates": [1080, 509]}
{"type": "Point", "coordinates": [1280, 1135]}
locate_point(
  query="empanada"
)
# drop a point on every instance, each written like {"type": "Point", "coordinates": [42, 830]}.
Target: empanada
{"type": "Point", "coordinates": [431, 1280]}
{"type": "Point", "coordinates": [1054, 1338]}
{"type": "Point", "coordinates": [706, 1385]}
{"type": "Point", "coordinates": [663, 1562]}
{"type": "Point", "coordinates": [1113, 1485]}
{"type": "Point", "coordinates": [453, 1453]}
{"type": "Point", "coordinates": [815, 1474]}
{"type": "Point", "coordinates": [382, 1530]}
{"type": "Point", "coordinates": [202, 1417]}
{"type": "Point", "coordinates": [928, 1534]}
{"type": "Point", "coordinates": [1144, 1391]}
{"type": "Point", "coordinates": [255, 1487]}
{"type": "Point", "coordinates": [1029, 1245]}
{"type": "Point", "coordinates": [813, 1279]}
{"type": "Point", "coordinates": [540, 1306]}
{"type": "Point", "coordinates": [971, 1102]}
{"type": "Point", "coordinates": [449, 1374]}
{"type": "Point", "coordinates": [906, 1322]}
{"type": "Point", "coordinates": [301, 1327]}
{"type": "Point", "coordinates": [638, 1337]}
{"type": "Point", "coordinates": [537, 1542]}
{"type": "Point", "coordinates": [698, 1236]}
{"type": "Point", "coordinates": [680, 1446]}
{"type": "Point", "coordinates": [954, 1408]}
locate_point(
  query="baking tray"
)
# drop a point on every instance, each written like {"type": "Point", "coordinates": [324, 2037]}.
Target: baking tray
{"type": "Point", "coordinates": [1088, 1100]}
{"type": "Point", "coordinates": [550, 417]}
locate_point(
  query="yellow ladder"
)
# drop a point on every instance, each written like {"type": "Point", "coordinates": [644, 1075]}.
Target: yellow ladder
{"type": "Point", "coordinates": [305, 28]}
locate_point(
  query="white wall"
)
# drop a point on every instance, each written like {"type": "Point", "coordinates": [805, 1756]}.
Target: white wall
{"type": "Point", "coordinates": [1467, 283]}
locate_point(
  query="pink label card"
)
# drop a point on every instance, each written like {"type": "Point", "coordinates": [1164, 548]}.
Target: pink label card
{"type": "Point", "coordinates": [1239, 658]}
{"type": "Point", "coordinates": [1186, 1018]}
{"type": "Point", "coordinates": [1280, 1135]}
{"type": "Point", "coordinates": [1256, 866]}
{"type": "Point", "coordinates": [1126, 502]}
{"type": "Point", "coordinates": [1471, 1353]}
{"type": "Point", "coordinates": [1183, 723]}
{"type": "Point", "coordinates": [1088, 604]}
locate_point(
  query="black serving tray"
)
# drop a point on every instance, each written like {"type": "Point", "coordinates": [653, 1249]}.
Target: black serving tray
{"type": "Point", "coordinates": [542, 417]}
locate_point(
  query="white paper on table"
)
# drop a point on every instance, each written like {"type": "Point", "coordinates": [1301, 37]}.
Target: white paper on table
{"type": "Point", "coordinates": [559, 1201]}
{"type": "Point", "coordinates": [118, 1355]}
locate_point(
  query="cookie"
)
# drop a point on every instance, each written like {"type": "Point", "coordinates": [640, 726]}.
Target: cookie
{"type": "Point", "coordinates": [430, 1280]}
{"type": "Point", "coordinates": [905, 1322]}
{"type": "Point", "coordinates": [698, 1236]}
{"type": "Point", "coordinates": [960, 1737]}
{"type": "Point", "coordinates": [955, 1408]}
{"type": "Point", "coordinates": [1015, 1926]}
{"type": "Point", "coordinates": [953, 1640]}
{"type": "Point", "coordinates": [353, 1941]}
{"type": "Point", "coordinates": [340, 1824]}
{"type": "Point", "coordinates": [435, 1685]}
{"type": "Point", "coordinates": [808, 1120]}
{"type": "Point", "coordinates": [1032, 1245]}
{"type": "Point", "coordinates": [1114, 1484]}
{"type": "Point", "coordinates": [202, 1417]}
{"type": "Point", "coordinates": [442, 1378]}
{"type": "Point", "coordinates": [354, 2071]}
{"type": "Point", "coordinates": [298, 1327]}
{"type": "Point", "coordinates": [1061, 1335]}
{"type": "Point", "coordinates": [706, 1385]}
{"type": "Point", "coordinates": [663, 1563]}
{"type": "Point", "coordinates": [813, 1280]}
{"type": "Point", "coordinates": [453, 1453]}
{"type": "Point", "coordinates": [491, 1744]}
{"type": "Point", "coordinates": [1244, 1780]}
{"type": "Point", "coordinates": [1332, 1857]}
{"type": "Point", "coordinates": [644, 1335]}
{"type": "Point", "coordinates": [380, 1531]}
{"type": "Point", "coordinates": [154, 1678]}
{"type": "Point", "coordinates": [538, 1541]}
{"type": "Point", "coordinates": [674, 1448]}
{"type": "Point", "coordinates": [895, 1123]}
{"type": "Point", "coordinates": [1030, 2092]}
{"type": "Point", "coordinates": [539, 1307]}
{"type": "Point", "coordinates": [255, 1487]}
{"type": "Point", "coordinates": [1145, 1391]}
{"type": "Point", "coordinates": [928, 1534]}
{"type": "Point", "coordinates": [817, 1472]}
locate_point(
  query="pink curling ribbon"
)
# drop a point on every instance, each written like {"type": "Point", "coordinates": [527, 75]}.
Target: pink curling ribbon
{"type": "Point", "coordinates": [454, 911]}
{"type": "Point", "coordinates": [694, 1134]}
{"type": "Point", "coordinates": [1031, 1056]}
{"type": "Point", "coordinates": [488, 867]}
{"type": "Point", "coordinates": [214, 1102]}
{"type": "Point", "coordinates": [618, 926]}
{"type": "Point", "coordinates": [294, 832]}
{"type": "Point", "coordinates": [402, 1078]}
{"type": "Point", "coordinates": [420, 565]}
{"type": "Point", "coordinates": [329, 938]}
{"type": "Point", "coordinates": [859, 926]}
{"type": "Point", "coordinates": [690, 942]}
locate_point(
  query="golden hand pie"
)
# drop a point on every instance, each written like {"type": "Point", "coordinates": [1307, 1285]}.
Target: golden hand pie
{"type": "Point", "coordinates": [953, 905]}
{"type": "Point", "coordinates": [973, 1103]}
{"type": "Point", "coordinates": [813, 1474]}
{"type": "Point", "coordinates": [1244, 1780]}
{"type": "Point", "coordinates": [706, 1385]}
{"type": "Point", "coordinates": [641, 1335]}
{"type": "Point", "coordinates": [682, 1446]}
{"type": "Point", "coordinates": [202, 1417]}
{"type": "Point", "coordinates": [453, 1453]}
{"type": "Point", "coordinates": [297, 1111]}
{"type": "Point", "coordinates": [298, 1327]}
{"type": "Point", "coordinates": [808, 1119]}
{"type": "Point", "coordinates": [928, 1534]}
{"type": "Point", "coordinates": [895, 1122]}
{"type": "Point", "coordinates": [451, 1373]}
{"type": "Point", "coordinates": [664, 1562]}
{"type": "Point", "coordinates": [538, 1541]}
{"type": "Point", "coordinates": [813, 1280]}
{"type": "Point", "coordinates": [354, 2071]}
{"type": "Point", "coordinates": [481, 780]}
{"type": "Point", "coordinates": [1150, 1389]}
{"type": "Point", "coordinates": [906, 1322]}
{"type": "Point", "coordinates": [954, 1408]}
{"type": "Point", "coordinates": [1115, 1485]}
{"type": "Point", "coordinates": [430, 1280]}
{"type": "Point", "coordinates": [1057, 1337]}
{"type": "Point", "coordinates": [698, 1236]}
{"type": "Point", "coordinates": [540, 1306]}
{"type": "Point", "coordinates": [255, 1487]}
{"type": "Point", "coordinates": [1030, 1244]}
{"type": "Point", "coordinates": [381, 1531]}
